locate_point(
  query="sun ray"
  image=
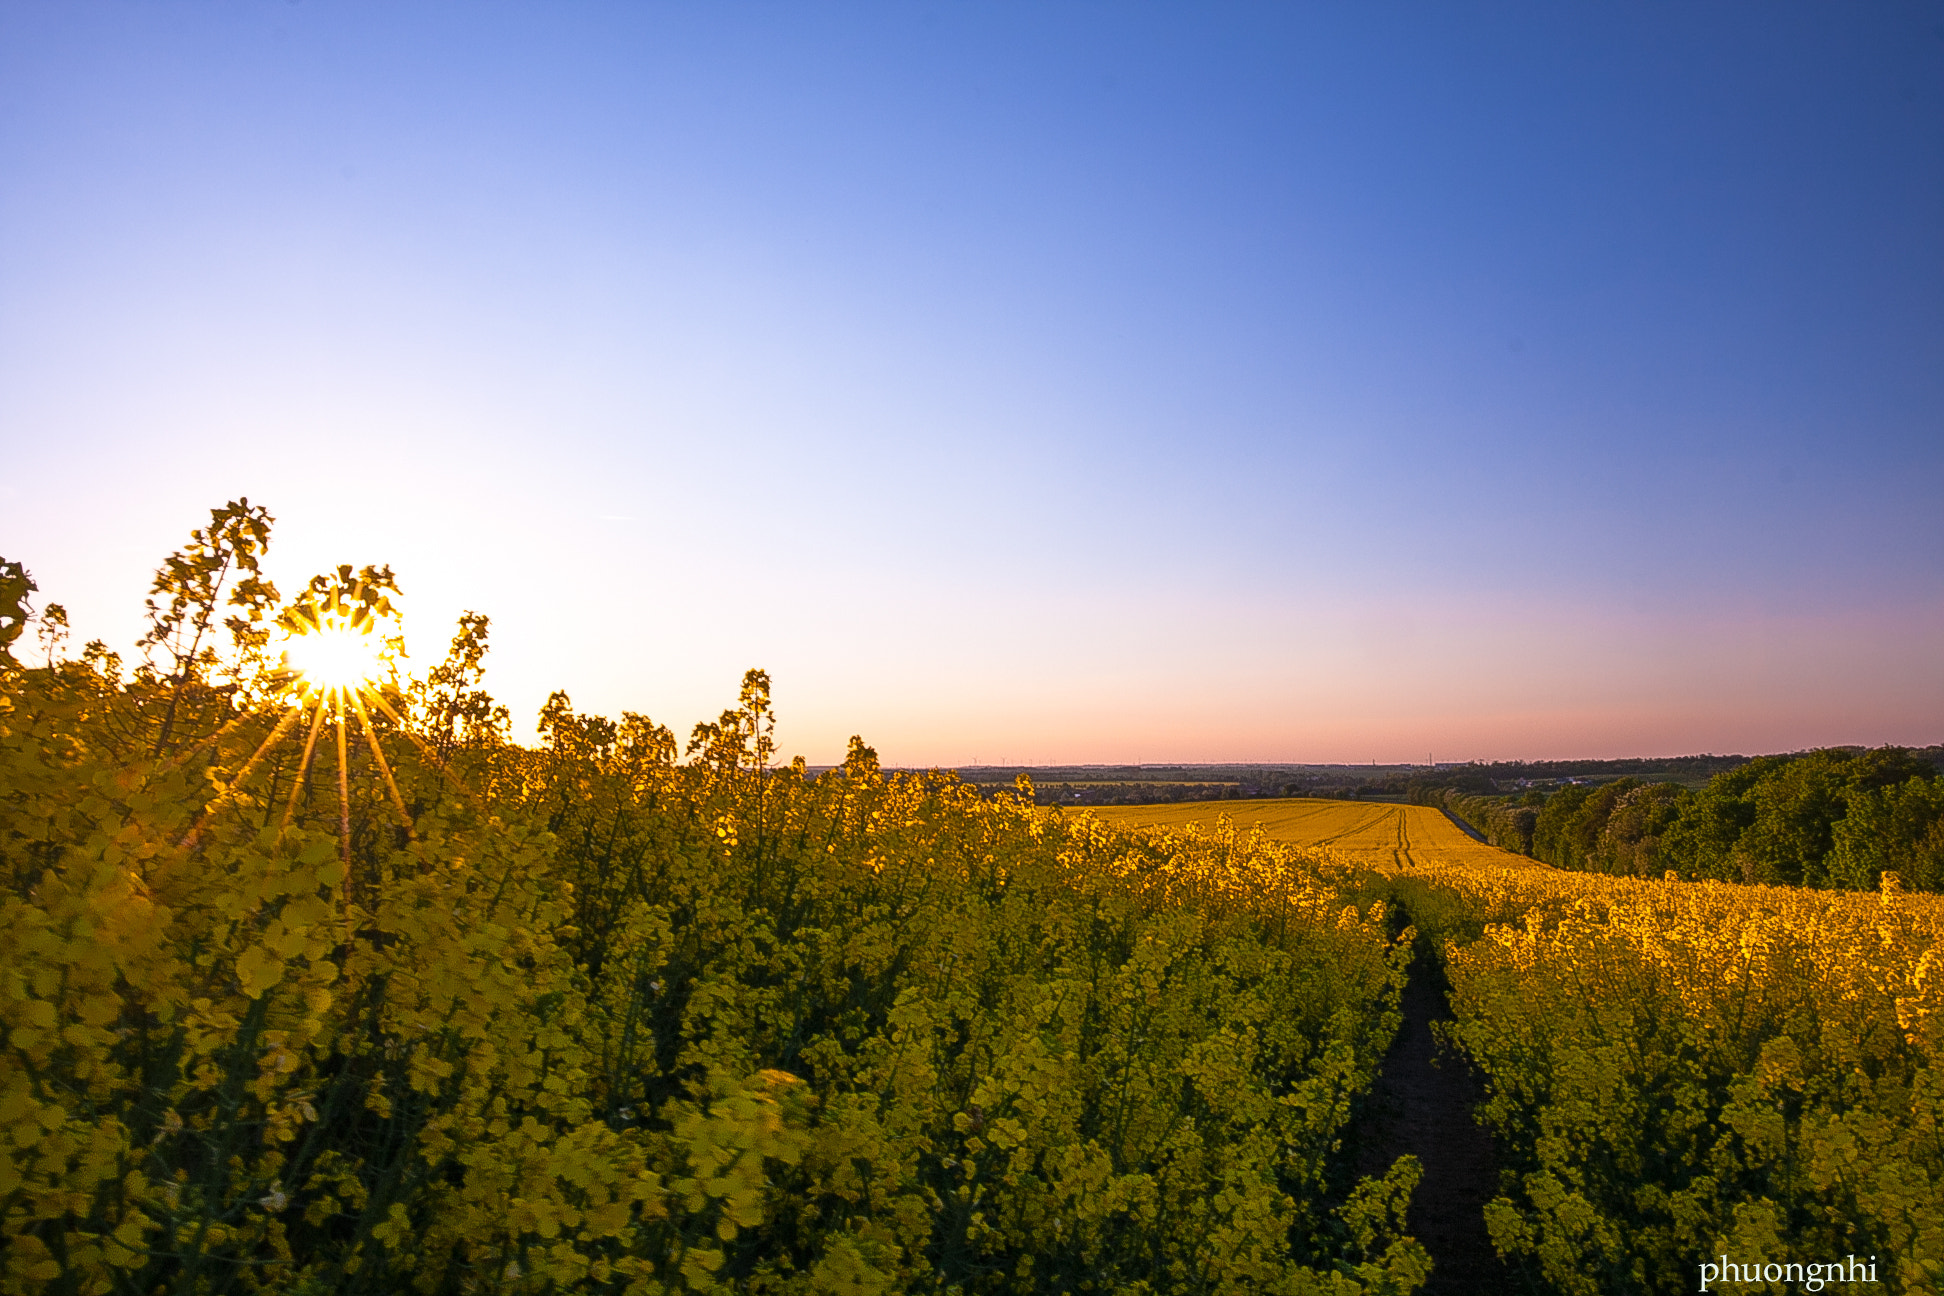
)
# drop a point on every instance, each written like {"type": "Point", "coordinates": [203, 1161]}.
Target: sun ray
{"type": "Point", "coordinates": [471, 797]}
{"type": "Point", "coordinates": [378, 754]}
{"type": "Point", "coordinates": [344, 801]}
{"type": "Point", "coordinates": [228, 791]}
{"type": "Point", "coordinates": [335, 651]}
{"type": "Point", "coordinates": [297, 789]}
{"type": "Point", "coordinates": [202, 745]}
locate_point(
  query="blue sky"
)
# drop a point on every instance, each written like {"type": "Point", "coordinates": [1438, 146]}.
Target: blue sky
{"type": "Point", "coordinates": [1051, 383]}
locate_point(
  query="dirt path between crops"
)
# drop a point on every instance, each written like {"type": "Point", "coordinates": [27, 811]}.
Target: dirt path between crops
{"type": "Point", "coordinates": [1422, 1104]}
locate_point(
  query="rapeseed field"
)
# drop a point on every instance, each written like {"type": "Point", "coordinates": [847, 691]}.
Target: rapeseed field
{"type": "Point", "coordinates": [1374, 834]}
{"type": "Point", "coordinates": [316, 982]}
{"type": "Point", "coordinates": [1676, 1071]}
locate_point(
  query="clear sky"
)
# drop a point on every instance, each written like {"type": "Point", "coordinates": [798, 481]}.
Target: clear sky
{"type": "Point", "coordinates": [1039, 383]}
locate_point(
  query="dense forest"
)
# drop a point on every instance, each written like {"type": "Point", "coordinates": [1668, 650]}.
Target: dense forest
{"type": "Point", "coordinates": [1839, 817]}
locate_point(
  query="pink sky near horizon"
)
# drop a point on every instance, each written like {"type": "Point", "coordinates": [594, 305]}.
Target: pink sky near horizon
{"type": "Point", "coordinates": [1110, 675]}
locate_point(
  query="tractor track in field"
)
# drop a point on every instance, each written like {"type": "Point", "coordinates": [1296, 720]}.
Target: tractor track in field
{"type": "Point", "coordinates": [1423, 1104]}
{"type": "Point", "coordinates": [1354, 829]}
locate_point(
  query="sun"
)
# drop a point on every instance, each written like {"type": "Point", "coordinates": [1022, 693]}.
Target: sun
{"type": "Point", "coordinates": [335, 658]}
{"type": "Point", "coordinates": [339, 645]}
{"type": "Point", "coordinates": [339, 640]}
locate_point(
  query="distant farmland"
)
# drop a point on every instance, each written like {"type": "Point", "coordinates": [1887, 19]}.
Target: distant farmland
{"type": "Point", "coordinates": [1377, 834]}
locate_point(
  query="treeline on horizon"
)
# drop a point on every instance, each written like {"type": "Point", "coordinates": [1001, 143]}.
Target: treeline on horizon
{"type": "Point", "coordinates": [1527, 782]}
{"type": "Point", "coordinates": [1085, 785]}
{"type": "Point", "coordinates": [1838, 817]}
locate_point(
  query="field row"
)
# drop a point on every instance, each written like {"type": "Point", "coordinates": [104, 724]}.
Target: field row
{"type": "Point", "coordinates": [1677, 1071]}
